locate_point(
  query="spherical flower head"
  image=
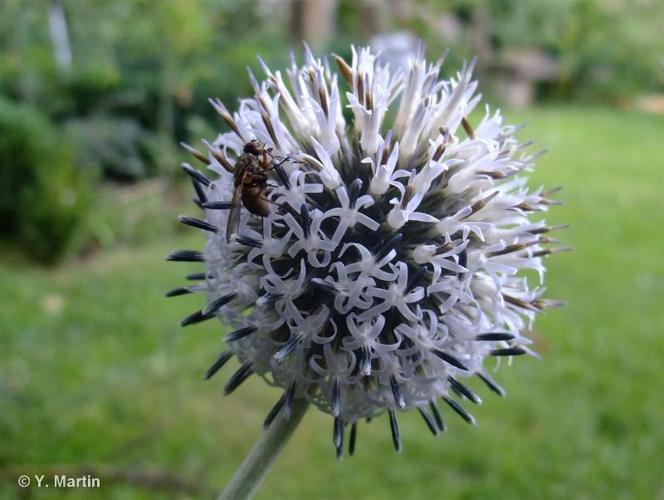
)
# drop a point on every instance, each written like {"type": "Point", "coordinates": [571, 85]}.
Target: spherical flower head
{"type": "Point", "coordinates": [372, 256]}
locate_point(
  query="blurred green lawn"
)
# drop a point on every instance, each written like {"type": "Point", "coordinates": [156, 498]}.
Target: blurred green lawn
{"type": "Point", "coordinates": [94, 369]}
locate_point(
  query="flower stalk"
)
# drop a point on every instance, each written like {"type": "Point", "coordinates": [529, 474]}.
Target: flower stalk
{"type": "Point", "coordinates": [257, 464]}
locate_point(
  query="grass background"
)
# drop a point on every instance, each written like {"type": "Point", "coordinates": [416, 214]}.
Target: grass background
{"type": "Point", "coordinates": [95, 372]}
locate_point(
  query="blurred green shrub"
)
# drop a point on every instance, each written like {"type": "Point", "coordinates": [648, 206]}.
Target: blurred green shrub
{"type": "Point", "coordinates": [607, 51]}
{"type": "Point", "coordinates": [89, 87]}
{"type": "Point", "coordinates": [43, 198]}
{"type": "Point", "coordinates": [116, 147]}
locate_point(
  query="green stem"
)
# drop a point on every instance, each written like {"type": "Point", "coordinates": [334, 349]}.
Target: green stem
{"type": "Point", "coordinates": [260, 459]}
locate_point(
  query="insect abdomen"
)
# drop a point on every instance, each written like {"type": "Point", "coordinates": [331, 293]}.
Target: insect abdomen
{"type": "Point", "coordinates": [254, 201]}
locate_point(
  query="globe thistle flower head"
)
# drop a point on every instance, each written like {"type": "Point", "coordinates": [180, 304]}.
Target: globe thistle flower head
{"type": "Point", "coordinates": [389, 267]}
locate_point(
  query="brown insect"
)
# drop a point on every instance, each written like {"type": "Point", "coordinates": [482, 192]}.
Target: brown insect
{"type": "Point", "coordinates": [250, 181]}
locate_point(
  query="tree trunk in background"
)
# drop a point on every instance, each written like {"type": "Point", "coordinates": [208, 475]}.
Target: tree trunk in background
{"type": "Point", "coordinates": [313, 21]}
{"type": "Point", "coordinates": [57, 22]}
{"type": "Point", "coordinates": [481, 27]}
{"type": "Point", "coordinates": [375, 16]}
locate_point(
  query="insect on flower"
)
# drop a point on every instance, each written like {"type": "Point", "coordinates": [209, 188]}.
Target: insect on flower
{"type": "Point", "coordinates": [250, 182]}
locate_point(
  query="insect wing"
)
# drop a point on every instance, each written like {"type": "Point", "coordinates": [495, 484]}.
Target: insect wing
{"type": "Point", "coordinates": [234, 213]}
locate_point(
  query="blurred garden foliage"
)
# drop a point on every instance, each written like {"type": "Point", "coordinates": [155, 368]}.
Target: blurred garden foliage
{"type": "Point", "coordinates": [43, 197]}
{"type": "Point", "coordinates": [104, 91]}
{"type": "Point", "coordinates": [607, 50]}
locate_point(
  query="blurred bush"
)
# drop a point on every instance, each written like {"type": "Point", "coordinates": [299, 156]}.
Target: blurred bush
{"type": "Point", "coordinates": [606, 51]}
{"type": "Point", "coordinates": [116, 147]}
{"type": "Point", "coordinates": [43, 198]}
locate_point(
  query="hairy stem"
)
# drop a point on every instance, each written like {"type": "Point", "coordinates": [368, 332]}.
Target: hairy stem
{"type": "Point", "coordinates": [266, 450]}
